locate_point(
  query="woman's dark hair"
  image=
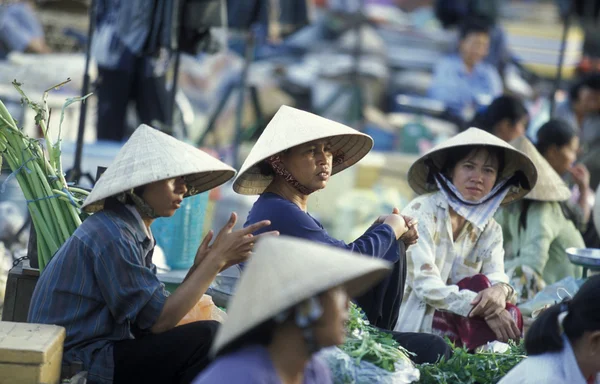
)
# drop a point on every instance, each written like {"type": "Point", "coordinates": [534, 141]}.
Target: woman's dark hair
{"type": "Point", "coordinates": [503, 107]}
{"type": "Point", "coordinates": [554, 132]}
{"type": "Point", "coordinates": [265, 168]}
{"type": "Point", "coordinates": [262, 334]}
{"type": "Point", "coordinates": [457, 154]}
{"type": "Point", "coordinates": [112, 201]}
{"type": "Point", "coordinates": [451, 13]}
{"type": "Point", "coordinates": [474, 25]}
{"type": "Point", "coordinates": [591, 81]}
{"type": "Point", "coordinates": [583, 315]}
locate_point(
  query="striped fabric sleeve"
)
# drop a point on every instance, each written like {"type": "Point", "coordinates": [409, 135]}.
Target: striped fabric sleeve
{"type": "Point", "coordinates": [131, 290]}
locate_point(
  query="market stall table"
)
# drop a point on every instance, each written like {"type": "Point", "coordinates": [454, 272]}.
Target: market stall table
{"type": "Point", "coordinates": [173, 279]}
{"type": "Point", "coordinates": [588, 258]}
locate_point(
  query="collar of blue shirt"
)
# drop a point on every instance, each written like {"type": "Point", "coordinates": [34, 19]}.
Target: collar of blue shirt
{"type": "Point", "coordinates": [133, 223]}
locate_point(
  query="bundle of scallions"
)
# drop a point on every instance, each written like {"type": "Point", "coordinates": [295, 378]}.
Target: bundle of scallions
{"type": "Point", "coordinates": [53, 204]}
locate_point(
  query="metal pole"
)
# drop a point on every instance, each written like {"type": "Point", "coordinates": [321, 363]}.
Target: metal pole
{"type": "Point", "coordinates": [173, 102]}
{"type": "Point", "coordinates": [177, 21]}
{"type": "Point", "coordinates": [74, 174]}
{"type": "Point", "coordinates": [561, 58]}
{"type": "Point", "coordinates": [357, 53]}
{"type": "Point", "coordinates": [241, 95]}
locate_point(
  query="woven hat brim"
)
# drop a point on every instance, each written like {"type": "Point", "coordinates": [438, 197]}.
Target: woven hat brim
{"type": "Point", "coordinates": [353, 146]}
{"type": "Point", "coordinates": [515, 161]}
{"type": "Point", "coordinates": [550, 186]}
{"type": "Point", "coordinates": [259, 297]}
{"type": "Point", "coordinates": [289, 128]}
{"type": "Point", "coordinates": [200, 182]}
{"type": "Point", "coordinates": [197, 183]}
{"type": "Point", "coordinates": [150, 156]}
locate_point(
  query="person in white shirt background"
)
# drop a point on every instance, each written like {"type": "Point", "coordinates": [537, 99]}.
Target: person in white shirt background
{"type": "Point", "coordinates": [563, 344]}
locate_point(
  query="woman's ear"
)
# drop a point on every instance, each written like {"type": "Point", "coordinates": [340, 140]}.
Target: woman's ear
{"type": "Point", "coordinates": [594, 344]}
{"type": "Point", "coordinates": [552, 151]}
{"type": "Point", "coordinates": [503, 127]}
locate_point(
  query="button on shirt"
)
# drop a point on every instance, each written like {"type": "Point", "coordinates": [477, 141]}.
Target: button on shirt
{"type": "Point", "coordinates": [99, 285]}
{"type": "Point", "coordinates": [460, 89]}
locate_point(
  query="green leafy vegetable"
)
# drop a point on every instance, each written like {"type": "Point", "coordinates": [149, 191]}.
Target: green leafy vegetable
{"type": "Point", "coordinates": [365, 342]}
{"type": "Point", "coordinates": [468, 368]}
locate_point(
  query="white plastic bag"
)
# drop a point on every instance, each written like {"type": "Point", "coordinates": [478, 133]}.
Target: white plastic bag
{"type": "Point", "coordinates": [551, 295]}
{"type": "Point", "coordinates": [345, 370]}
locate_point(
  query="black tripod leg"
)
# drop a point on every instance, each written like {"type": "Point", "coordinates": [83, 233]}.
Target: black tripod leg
{"type": "Point", "coordinates": [215, 115]}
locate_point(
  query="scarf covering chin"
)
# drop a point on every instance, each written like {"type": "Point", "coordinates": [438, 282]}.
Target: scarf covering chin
{"type": "Point", "coordinates": [476, 212]}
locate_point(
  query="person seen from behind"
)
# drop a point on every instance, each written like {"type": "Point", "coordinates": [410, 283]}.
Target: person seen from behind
{"type": "Point", "coordinates": [563, 344]}
{"type": "Point", "coordinates": [291, 301]}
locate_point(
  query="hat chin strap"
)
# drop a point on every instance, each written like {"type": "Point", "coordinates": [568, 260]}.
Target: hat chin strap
{"type": "Point", "coordinates": [306, 314]}
{"type": "Point", "coordinates": [279, 169]}
{"type": "Point", "coordinates": [146, 211]}
{"type": "Point", "coordinates": [277, 165]}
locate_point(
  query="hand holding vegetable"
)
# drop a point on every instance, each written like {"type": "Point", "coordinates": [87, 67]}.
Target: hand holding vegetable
{"type": "Point", "coordinates": [489, 302]}
{"type": "Point", "coordinates": [504, 327]}
{"type": "Point", "coordinates": [234, 247]}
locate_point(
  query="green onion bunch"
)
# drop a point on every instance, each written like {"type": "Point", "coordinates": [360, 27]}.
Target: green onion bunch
{"type": "Point", "coordinates": [54, 205]}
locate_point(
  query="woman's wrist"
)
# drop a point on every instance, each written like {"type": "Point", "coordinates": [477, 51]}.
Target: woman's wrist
{"type": "Point", "coordinates": [509, 291]}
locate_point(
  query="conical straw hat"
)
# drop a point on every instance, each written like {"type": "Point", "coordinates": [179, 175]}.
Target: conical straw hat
{"type": "Point", "coordinates": [283, 272]}
{"type": "Point", "coordinates": [513, 161]}
{"type": "Point", "coordinates": [150, 155]}
{"type": "Point", "coordinates": [550, 186]}
{"type": "Point", "coordinates": [291, 127]}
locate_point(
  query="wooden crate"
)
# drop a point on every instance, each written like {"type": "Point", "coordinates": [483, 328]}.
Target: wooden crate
{"type": "Point", "coordinates": [30, 353]}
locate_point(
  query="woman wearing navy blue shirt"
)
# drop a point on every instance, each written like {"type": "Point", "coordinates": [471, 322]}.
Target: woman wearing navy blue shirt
{"type": "Point", "coordinates": [295, 156]}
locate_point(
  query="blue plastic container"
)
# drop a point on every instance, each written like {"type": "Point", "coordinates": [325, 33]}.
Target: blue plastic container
{"type": "Point", "coordinates": [383, 140]}
{"type": "Point", "coordinates": [180, 235]}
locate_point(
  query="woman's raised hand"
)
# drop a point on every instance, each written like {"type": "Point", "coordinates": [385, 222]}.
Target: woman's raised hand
{"type": "Point", "coordinates": [581, 176]}
{"type": "Point", "coordinates": [234, 247]}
